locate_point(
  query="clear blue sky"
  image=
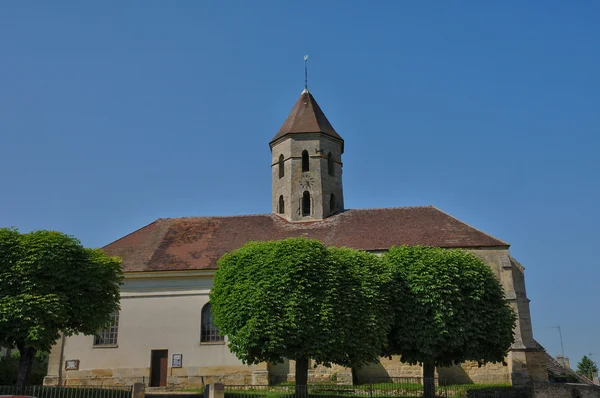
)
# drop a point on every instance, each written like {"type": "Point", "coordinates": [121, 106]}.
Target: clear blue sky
{"type": "Point", "coordinates": [113, 114]}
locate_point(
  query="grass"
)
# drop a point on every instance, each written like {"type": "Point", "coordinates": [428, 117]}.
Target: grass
{"type": "Point", "coordinates": [379, 390]}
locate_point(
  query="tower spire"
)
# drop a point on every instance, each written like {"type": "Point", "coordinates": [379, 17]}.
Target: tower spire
{"type": "Point", "coordinates": [306, 73]}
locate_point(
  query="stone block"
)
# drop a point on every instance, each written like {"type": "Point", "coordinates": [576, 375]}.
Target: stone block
{"type": "Point", "coordinates": [138, 390]}
{"type": "Point", "coordinates": [174, 380]}
{"type": "Point", "coordinates": [260, 378]}
{"type": "Point", "coordinates": [179, 372]}
{"type": "Point", "coordinates": [102, 373]}
{"type": "Point", "coordinates": [51, 380]}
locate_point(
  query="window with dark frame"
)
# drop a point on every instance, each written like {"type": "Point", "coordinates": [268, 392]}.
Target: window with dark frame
{"type": "Point", "coordinates": [332, 203]}
{"type": "Point", "coordinates": [305, 166]}
{"type": "Point", "coordinates": [209, 333]}
{"type": "Point", "coordinates": [281, 168]}
{"type": "Point", "coordinates": [108, 336]}
{"type": "Point", "coordinates": [306, 203]}
{"type": "Point", "coordinates": [281, 208]}
{"type": "Point", "coordinates": [330, 165]}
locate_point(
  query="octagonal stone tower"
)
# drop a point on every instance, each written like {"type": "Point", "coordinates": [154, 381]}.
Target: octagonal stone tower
{"type": "Point", "coordinates": [306, 164]}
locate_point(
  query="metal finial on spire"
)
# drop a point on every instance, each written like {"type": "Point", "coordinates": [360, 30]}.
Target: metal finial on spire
{"type": "Point", "coordinates": [306, 72]}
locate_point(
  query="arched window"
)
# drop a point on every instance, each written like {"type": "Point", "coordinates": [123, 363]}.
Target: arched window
{"type": "Point", "coordinates": [305, 161]}
{"type": "Point", "coordinates": [332, 203]}
{"type": "Point", "coordinates": [281, 170]}
{"type": "Point", "coordinates": [306, 203]}
{"type": "Point", "coordinates": [281, 208]}
{"type": "Point", "coordinates": [330, 164]}
{"type": "Point", "coordinates": [208, 331]}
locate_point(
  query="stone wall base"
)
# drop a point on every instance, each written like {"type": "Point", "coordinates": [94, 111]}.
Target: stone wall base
{"type": "Point", "coordinates": [524, 368]}
{"type": "Point", "coordinates": [388, 368]}
{"type": "Point", "coordinates": [177, 377]}
{"type": "Point", "coordinates": [567, 390]}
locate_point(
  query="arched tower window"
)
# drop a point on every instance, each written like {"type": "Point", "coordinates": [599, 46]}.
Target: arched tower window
{"type": "Point", "coordinates": [281, 169]}
{"type": "Point", "coordinates": [208, 331]}
{"type": "Point", "coordinates": [305, 161]}
{"type": "Point", "coordinates": [332, 203]}
{"type": "Point", "coordinates": [330, 164]}
{"type": "Point", "coordinates": [306, 203]}
{"type": "Point", "coordinates": [281, 208]}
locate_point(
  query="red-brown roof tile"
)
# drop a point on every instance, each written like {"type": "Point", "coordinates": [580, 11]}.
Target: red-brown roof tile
{"type": "Point", "coordinates": [306, 117]}
{"type": "Point", "coordinates": [196, 243]}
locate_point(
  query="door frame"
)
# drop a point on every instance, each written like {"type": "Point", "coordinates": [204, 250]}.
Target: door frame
{"type": "Point", "coordinates": [152, 365]}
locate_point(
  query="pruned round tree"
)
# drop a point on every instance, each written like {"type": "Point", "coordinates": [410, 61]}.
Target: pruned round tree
{"type": "Point", "coordinates": [295, 299]}
{"type": "Point", "coordinates": [51, 284]}
{"type": "Point", "coordinates": [450, 308]}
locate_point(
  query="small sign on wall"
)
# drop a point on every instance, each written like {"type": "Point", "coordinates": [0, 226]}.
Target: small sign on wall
{"type": "Point", "coordinates": [176, 360]}
{"type": "Point", "coordinates": [72, 364]}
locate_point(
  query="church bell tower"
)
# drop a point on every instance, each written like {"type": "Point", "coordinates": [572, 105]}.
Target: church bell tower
{"type": "Point", "coordinates": [306, 164]}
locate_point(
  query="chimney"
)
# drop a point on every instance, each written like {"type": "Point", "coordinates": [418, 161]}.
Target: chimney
{"type": "Point", "coordinates": [595, 379]}
{"type": "Point", "coordinates": [567, 364]}
{"type": "Point", "coordinates": [560, 359]}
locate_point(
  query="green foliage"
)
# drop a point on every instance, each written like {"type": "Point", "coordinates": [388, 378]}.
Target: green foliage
{"type": "Point", "coordinates": [9, 369]}
{"type": "Point", "coordinates": [586, 367]}
{"type": "Point", "coordinates": [449, 308]}
{"type": "Point", "coordinates": [51, 283]}
{"type": "Point", "coordinates": [296, 299]}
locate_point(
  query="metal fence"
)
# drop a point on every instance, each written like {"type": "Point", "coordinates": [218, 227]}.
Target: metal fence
{"type": "Point", "coordinates": [68, 392]}
{"type": "Point", "coordinates": [398, 388]}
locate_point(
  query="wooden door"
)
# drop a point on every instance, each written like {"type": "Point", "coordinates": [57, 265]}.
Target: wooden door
{"type": "Point", "coordinates": [158, 368]}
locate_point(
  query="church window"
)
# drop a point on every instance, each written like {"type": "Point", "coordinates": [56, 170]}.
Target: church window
{"type": "Point", "coordinates": [305, 161]}
{"type": "Point", "coordinates": [208, 331]}
{"type": "Point", "coordinates": [108, 335]}
{"type": "Point", "coordinates": [330, 164]}
{"type": "Point", "coordinates": [281, 208]}
{"type": "Point", "coordinates": [281, 169]}
{"type": "Point", "coordinates": [306, 203]}
{"type": "Point", "coordinates": [332, 204]}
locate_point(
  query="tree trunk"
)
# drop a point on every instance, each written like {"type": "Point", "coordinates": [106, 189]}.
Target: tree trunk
{"type": "Point", "coordinates": [302, 377]}
{"type": "Point", "coordinates": [25, 362]}
{"type": "Point", "coordinates": [428, 379]}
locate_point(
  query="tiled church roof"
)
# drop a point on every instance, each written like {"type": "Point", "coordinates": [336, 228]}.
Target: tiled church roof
{"type": "Point", "coordinates": [195, 243]}
{"type": "Point", "coordinates": [306, 117]}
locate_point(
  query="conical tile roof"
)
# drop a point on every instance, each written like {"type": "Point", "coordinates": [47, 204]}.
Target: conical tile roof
{"type": "Point", "coordinates": [306, 117]}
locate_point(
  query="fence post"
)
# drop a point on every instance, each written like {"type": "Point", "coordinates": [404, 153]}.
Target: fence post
{"type": "Point", "coordinates": [216, 390]}
{"type": "Point", "coordinates": [138, 390]}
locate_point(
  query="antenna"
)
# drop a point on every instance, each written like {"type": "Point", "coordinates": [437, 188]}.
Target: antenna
{"type": "Point", "coordinates": [562, 349]}
{"type": "Point", "coordinates": [306, 72]}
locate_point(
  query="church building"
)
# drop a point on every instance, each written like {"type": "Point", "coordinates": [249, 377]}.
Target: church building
{"type": "Point", "coordinates": [164, 334]}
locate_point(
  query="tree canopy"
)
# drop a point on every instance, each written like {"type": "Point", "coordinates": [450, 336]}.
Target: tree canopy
{"type": "Point", "coordinates": [586, 367]}
{"type": "Point", "coordinates": [298, 300]}
{"type": "Point", "coordinates": [448, 308]}
{"type": "Point", "coordinates": [52, 284]}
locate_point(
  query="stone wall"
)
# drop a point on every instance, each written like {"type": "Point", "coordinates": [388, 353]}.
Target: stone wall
{"type": "Point", "coordinates": [316, 181]}
{"type": "Point", "coordinates": [550, 390]}
{"type": "Point", "coordinates": [388, 368]}
{"type": "Point", "coordinates": [177, 377]}
{"type": "Point", "coordinates": [286, 372]}
{"type": "Point", "coordinates": [471, 372]}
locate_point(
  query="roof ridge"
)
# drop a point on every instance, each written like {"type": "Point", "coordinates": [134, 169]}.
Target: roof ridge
{"type": "Point", "coordinates": [232, 216]}
{"type": "Point", "coordinates": [294, 112]}
{"type": "Point", "coordinates": [470, 226]}
{"type": "Point", "coordinates": [133, 232]}
{"type": "Point", "coordinates": [275, 215]}
{"type": "Point", "coordinates": [391, 208]}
